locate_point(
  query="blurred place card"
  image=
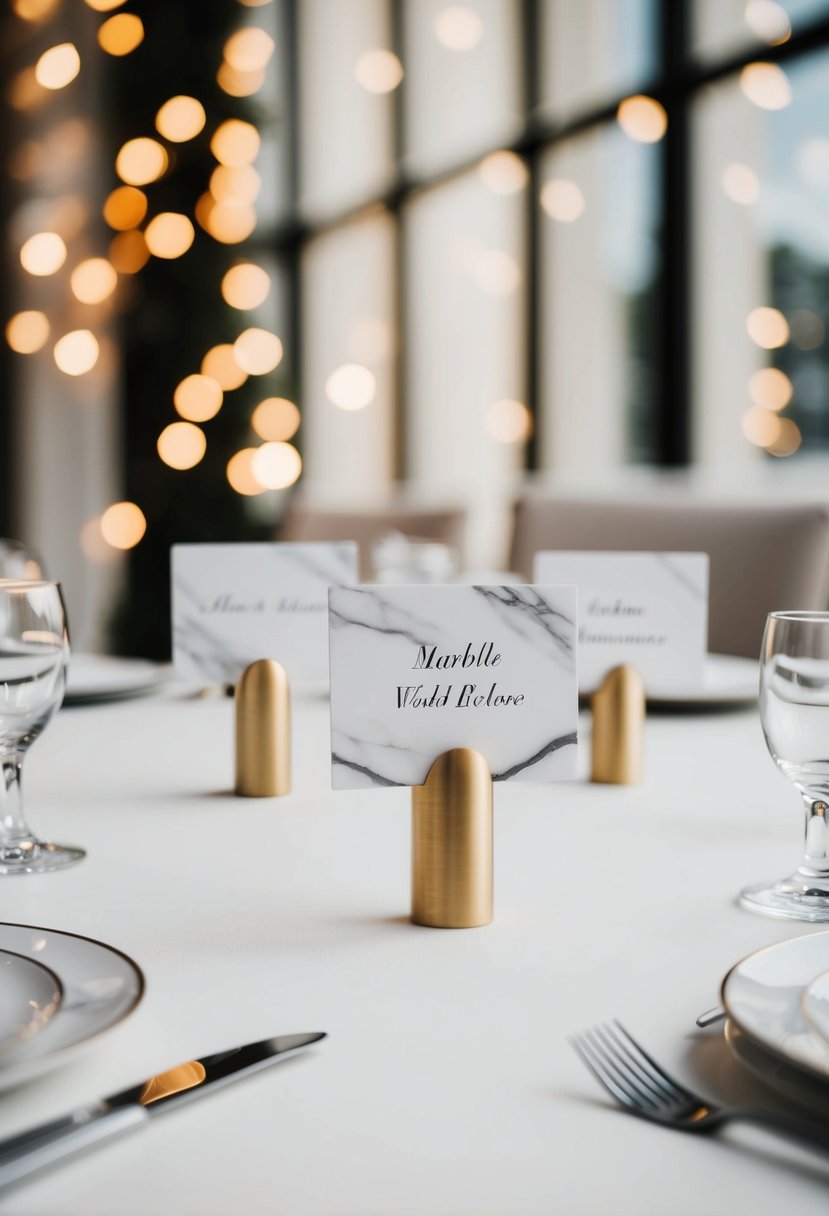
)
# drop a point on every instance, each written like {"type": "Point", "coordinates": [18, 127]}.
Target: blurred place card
{"type": "Point", "coordinates": [649, 610]}
{"type": "Point", "coordinates": [234, 604]}
{"type": "Point", "coordinates": [416, 671]}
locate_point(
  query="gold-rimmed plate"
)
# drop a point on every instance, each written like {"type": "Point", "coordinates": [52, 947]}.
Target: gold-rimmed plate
{"type": "Point", "coordinates": [30, 996]}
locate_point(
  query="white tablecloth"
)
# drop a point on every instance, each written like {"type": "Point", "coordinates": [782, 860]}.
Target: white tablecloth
{"type": "Point", "coordinates": [447, 1085]}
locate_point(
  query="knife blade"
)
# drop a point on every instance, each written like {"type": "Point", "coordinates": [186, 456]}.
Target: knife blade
{"type": "Point", "coordinates": [32, 1151]}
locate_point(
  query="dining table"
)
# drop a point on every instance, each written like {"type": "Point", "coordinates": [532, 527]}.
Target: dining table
{"type": "Point", "coordinates": [447, 1085]}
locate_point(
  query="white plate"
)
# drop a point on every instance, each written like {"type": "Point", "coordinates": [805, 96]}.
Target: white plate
{"type": "Point", "coordinates": [727, 679]}
{"type": "Point", "coordinates": [101, 986]}
{"type": "Point", "coordinates": [816, 1005]}
{"type": "Point", "coordinates": [30, 995]}
{"type": "Point", "coordinates": [763, 995]}
{"type": "Point", "coordinates": [93, 677]}
{"type": "Point", "coordinates": [789, 1079]}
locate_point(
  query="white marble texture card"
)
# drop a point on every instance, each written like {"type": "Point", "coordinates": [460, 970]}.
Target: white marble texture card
{"type": "Point", "coordinates": [236, 603]}
{"type": "Point", "coordinates": [416, 671]}
{"type": "Point", "coordinates": [649, 610]}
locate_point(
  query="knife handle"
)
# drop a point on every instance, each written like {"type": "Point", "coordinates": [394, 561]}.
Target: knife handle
{"type": "Point", "coordinates": [34, 1150]}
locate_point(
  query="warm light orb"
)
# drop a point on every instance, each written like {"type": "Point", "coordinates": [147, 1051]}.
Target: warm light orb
{"type": "Point", "coordinates": [181, 445]}
{"type": "Point", "coordinates": [105, 6]}
{"type": "Point", "coordinates": [503, 173]}
{"type": "Point", "coordinates": [257, 351]}
{"type": "Point", "coordinates": [788, 440]}
{"type": "Point", "coordinates": [563, 200]}
{"type": "Point", "coordinates": [246, 286]}
{"type": "Point", "coordinates": [741, 184]}
{"type": "Point", "coordinates": [121, 34]}
{"type": "Point", "coordinates": [276, 465]}
{"type": "Point", "coordinates": [276, 419]}
{"type": "Point", "coordinates": [239, 84]}
{"type": "Point", "coordinates": [497, 273]}
{"type": "Point", "coordinates": [378, 71]}
{"type": "Point", "coordinates": [34, 10]}
{"type": "Point", "coordinates": [169, 235]}
{"type": "Point", "coordinates": [76, 353]}
{"type": "Point", "coordinates": [458, 28]}
{"type": "Point", "coordinates": [240, 472]}
{"type": "Point", "coordinates": [220, 365]}
{"type": "Point", "coordinates": [123, 525]}
{"type": "Point", "coordinates": [235, 142]}
{"type": "Point", "coordinates": [351, 387]}
{"type": "Point", "coordinates": [235, 184]}
{"type": "Point", "coordinates": [761, 427]}
{"type": "Point", "coordinates": [128, 252]}
{"type": "Point", "coordinates": [125, 208]}
{"type": "Point", "coordinates": [141, 161]}
{"type": "Point", "coordinates": [642, 118]}
{"type": "Point", "coordinates": [227, 222]}
{"type": "Point", "coordinates": [198, 398]}
{"type": "Point", "coordinates": [93, 280]}
{"type": "Point", "coordinates": [768, 20]}
{"type": "Point", "coordinates": [508, 421]}
{"type": "Point", "coordinates": [770, 388]}
{"type": "Point", "coordinates": [767, 85]}
{"type": "Point", "coordinates": [181, 118]}
{"type": "Point", "coordinates": [767, 327]}
{"type": "Point", "coordinates": [43, 254]}
{"type": "Point", "coordinates": [58, 66]}
{"type": "Point", "coordinates": [249, 49]}
{"type": "Point", "coordinates": [27, 332]}
{"type": "Point", "coordinates": [24, 91]}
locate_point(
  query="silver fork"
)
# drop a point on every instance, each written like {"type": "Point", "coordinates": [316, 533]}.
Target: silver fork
{"type": "Point", "coordinates": [641, 1086]}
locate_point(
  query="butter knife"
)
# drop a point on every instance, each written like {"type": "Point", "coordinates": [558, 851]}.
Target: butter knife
{"type": "Point", "coordinates": [32, 1151]}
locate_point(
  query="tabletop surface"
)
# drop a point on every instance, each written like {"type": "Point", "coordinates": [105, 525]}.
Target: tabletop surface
{"type": "Point", "coordinates": [447, 1086]}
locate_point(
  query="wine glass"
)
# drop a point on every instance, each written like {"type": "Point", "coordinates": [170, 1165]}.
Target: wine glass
{"type": "Point", "coordinates": [794, 711]}
{"type": "Point", "coordinates": [34, 651]}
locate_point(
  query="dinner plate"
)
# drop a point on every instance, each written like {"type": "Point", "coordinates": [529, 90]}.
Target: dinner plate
{"type": "Point", "coordinates": [30, 995]}
{"type": "Point", "coordinates": [727, 680]}
{"type": "Point", "coordinates": [101, 987]}
{"type": "Point", "coordinates": [763, 995]}
{"type": "Point", "coordinates": [816, 1005]}
{"type": "Point", "coordinates": [787, 1078]}
{"type": "Point", "coordinates": [92, 678]}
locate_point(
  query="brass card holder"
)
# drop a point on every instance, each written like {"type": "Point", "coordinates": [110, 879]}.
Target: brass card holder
{"type": "Point", "coordinates": [452, 843]}
{"type": "Point", "coordinates": [263, 731]}
{"type": "Point", "coordinates": [618, 707]}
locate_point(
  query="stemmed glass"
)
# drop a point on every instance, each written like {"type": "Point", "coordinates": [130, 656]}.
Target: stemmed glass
{"type": "Point", "coordinates": [34, 651]}
{"type": "Point", "coordinates": [794, 711]}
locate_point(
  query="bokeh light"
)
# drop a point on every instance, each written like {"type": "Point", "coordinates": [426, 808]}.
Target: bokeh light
{"type": "Point", "coordinates": [508, 421]}
{"type": "Point", "coordinates": [767, 327]}
{"type": "Point", "coordinates": [27, 332]}
{"type": "Point", "coordinates": [125, 208]}
{"type": "Point", "coordinates": [788, 440]}
{"type": "Point", "coordinates": [123, 525]}
{"type": "Point", "coordinates": [235, 142]}
{"type": "Point", "coordinates": [93, 280]}
{"type": "Point", "coordinates": [181, 445]}
{"type": "Point", "coordinates": [642, 118]}
{"type": "Point", "coordinates": [378, 71]}
{"type": "Point", "coordinates": [276, 465]}
{"type": "Point", "coordinates": [741, 184]}
{"type": "Point", "coordinates": [458, 28]}
{"type": "Point", "coordinates": [246, 286]}
{"type": "Point", "coordinates": [258, 351]}
{"type": "Point", "coordinates": [562, 200]}
{"type": "Point", "coordinates": [503, 173]}
{"type": "Point", "coordinates": [235, 184]}
{"type": "Point", "coordinates": [240, 473]}
{"type": "Point", "coordinates": [25, 93]}
{"type": "Point", "coordinates": [58, 66]}
{"type": "Point", "coordinates": [249, 49]}
{"type": "Point", "coordinates": [227, 222]}
{"type": "Point", "coordinates": [351, 387]}
{"type": "Point", "coordinates": [768, 21]}
{"type": "Point", "coordinates": [770, 388]}
{"type": "Point", "coordinates": [220, 364]}
{"type": "Point", "coordinates": [198, 398]}
{"type": "Point", "coordinates": [105, 6]}
{"type": "Point", "coordinates": [239, 84]}
{"type": "Point", "coordinates": [121, 34]}
{"type": "Point", "coordinates": [76, 353]}
{"type": "Point", "coordinates": [141, 161]}
{"type": "Point", "coordinates": [276, 419]}
{"type": "Point", "coordinates": [767, 85]}
{"type": "Point", "coordinates": [35, 10]}
{"type": "Point", "coordinates": [128, 252]}
{"type": "Point", "coordinates": [169, 235]}
{"type": "Point", "coordinates": [43, 254]}
{"type": "Point", "coordinates": [761, 427]}
{"type": "Point", "coordinates": [181, 118]}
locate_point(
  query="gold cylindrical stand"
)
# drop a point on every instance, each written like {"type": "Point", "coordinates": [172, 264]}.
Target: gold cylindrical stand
{"type": "Point", "coordinates": [263, 731]}
{"type": "Point", "coordinates": [452, 843]}
{"type": "Point", "coordinates": [618, 727]}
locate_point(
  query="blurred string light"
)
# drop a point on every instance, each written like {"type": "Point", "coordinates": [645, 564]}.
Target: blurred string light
{"type": "Point", "coordinates": [58, 66]}
{"type": "Point", "coordinates": [503, 173]}
{"type": "Point", "coordinates": [239, 184]}
{"type": "Point", "coordinates": [125, 208]}
{"type": "Point", "coordinates": [123, 525]}
{"type": "Point", "coordinates": [767, 327]}
{"type": "Point", "coordinates": [181, 118]}
{"type": "Point", "coordinates": [378, 71]}
{"type": "Point", "coordinates": [28, 332]}
{"type": "Point", "coordinates": [121, 34]}
{"type": "Point", "coordinates": [141, 161]}
{"type": "Point", "coordinates": [169, 235]}
{"type": "Point", "coordinates": [351, 387]}
{"type": "Point", "coordinates": [239, 84]}
{"type": "Point", "coordinates": [458, 27]}
{"type": "Point", "coordinates": [276, 465]}
{"type": "Point", "coordinates": [562, 200]}
{"type": "Point", "coordinates": [220, 365]}
{"type": "Point", "coordinates": [276, 418]}
{"type": "Point", "coordinates": [240, 473]}
{"type": "Point", "coordinates": [25, 91]}
{"type": "Point", "coordinates": [778, 436]}
{"type": "Point", "coordinates": [508, 421]}
{"type": "Point", "coordinates": [246, 286]}
{"type": "Point", "coordinates": [258, 351]}
{"type": "Point", "coordinates": [105, 6]}
{"type": "Point", "coordinates": [34, 10]}
{"type": "Point", "coordinates": [643, 119]}
{"type": "Point", "coordinates": [766, 85]}
{"type": "Point", "coordinates": [76, 353]}
{"type": "Point", "coordinates": [741, 184]}
{"type": "Point", "coordinates": [769, 21]}
{"type": "Point", "coordinates": [181, 445]}
{"type": "Point", "coordinates": [249, 49]}
{"type": "Point", "coordinates": [43, 254]}
{"type": "Point", "coordinates": [198, 398]}
{"type": "Point", "coordinates": [93, 280]}
{"type": "Point", "coordinates": [227, 222]}
{"type": "Point", "coordinates": [235, 142]}
{"type": "Point", "coordinates": [788, 440]}
{"type": "Point", "coordinates": [770, 388]}
{"type": "Point", "coordinates": [128, 252]}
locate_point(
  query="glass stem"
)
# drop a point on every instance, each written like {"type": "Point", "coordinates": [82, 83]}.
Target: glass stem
{"type": "Point", "coordinates": [14, 828]}
{"type": "Point", "coordinates": [816, 851]}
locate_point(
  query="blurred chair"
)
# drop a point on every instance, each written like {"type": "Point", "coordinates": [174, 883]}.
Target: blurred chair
{"type": "Point", "coordinates": [368, 525]}
{"type": "Point", "coordinates": [763, 558]}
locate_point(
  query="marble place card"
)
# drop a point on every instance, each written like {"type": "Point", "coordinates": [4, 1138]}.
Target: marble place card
{"type": "Point", "coordinates": [416, 671]}
{"type": "Point", "coordinates": [236, 603]}
{"type": "Point", "coordinates": [646, 609]}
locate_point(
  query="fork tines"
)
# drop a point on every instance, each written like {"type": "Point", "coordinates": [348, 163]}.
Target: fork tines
{"type": "Point", "coordinates": [628, 1072]}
